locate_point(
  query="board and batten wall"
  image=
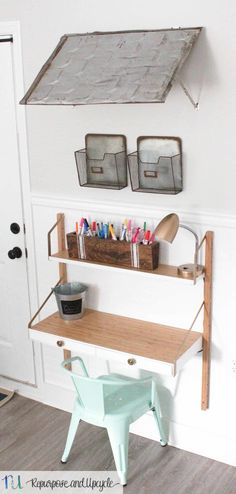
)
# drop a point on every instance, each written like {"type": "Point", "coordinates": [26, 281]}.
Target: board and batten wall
{"type": "Point", "coordinates": [207, 202]}
{"type": "Point", "coordinates": [158, 299]}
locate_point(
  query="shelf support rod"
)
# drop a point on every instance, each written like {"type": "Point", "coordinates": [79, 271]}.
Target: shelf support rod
{"type": "Point", "coordinates": [207, 320]}
{"type": "Point", "coordinates": [61, 244]}
{"type": "Point", "coordinates": [195, 318]}
{"type": "Point", "coordinates": [43, 304]}
{"type": "Point", "coordinates": [189, 330]}
{"type": "Point", "coordinates": [62, 267]}
{"type": "Point", "coordinates": [60, 218]}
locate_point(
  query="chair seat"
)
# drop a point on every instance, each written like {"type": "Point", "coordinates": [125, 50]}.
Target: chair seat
{"type": "Point", "coordinates": [125, 400]}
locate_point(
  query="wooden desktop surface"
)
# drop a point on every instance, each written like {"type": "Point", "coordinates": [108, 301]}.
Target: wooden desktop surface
{"type": "Point", "coordinates": [133, 336]}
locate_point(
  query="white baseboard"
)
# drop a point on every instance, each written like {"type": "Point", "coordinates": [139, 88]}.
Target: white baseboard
{"type": "Point", "coordinates": [195, 440]}
{"type": "Point", "coordinates": [32, 392]}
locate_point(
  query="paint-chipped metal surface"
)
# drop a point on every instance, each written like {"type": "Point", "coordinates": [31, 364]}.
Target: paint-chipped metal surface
{"type": "Point", "coordinates": [122, 67]}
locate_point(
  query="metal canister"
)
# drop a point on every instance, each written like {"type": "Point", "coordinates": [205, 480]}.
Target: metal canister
{"type": "Point", "coordinates": [70, 299]}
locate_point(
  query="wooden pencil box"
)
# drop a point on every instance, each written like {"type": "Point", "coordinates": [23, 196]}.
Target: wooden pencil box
{"type": "Point", "coordinates": [116, 253]}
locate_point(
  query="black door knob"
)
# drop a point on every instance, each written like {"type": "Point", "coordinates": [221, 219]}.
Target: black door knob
{"type": "Point", "coordinates": [15, 228]}
{"type": "Point", "coordinates": [15, 253]}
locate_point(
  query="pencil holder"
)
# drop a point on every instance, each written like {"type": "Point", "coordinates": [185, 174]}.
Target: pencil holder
{"type": "Point", "coordinates": [107, 251]}
{"type": "Point", "coordinates": [113, 252]}
{"type": "Point", "coordinates": [72, 245]}
{"type": "Point", "coordinates": [148, 256]}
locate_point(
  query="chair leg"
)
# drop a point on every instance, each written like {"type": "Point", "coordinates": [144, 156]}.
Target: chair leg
{"type": "Point", "coordinates": [71, 435]}
{"type": "Point", "coordinates": [158, 420]}
{"type": "Point", "coordinates": [118, 433]}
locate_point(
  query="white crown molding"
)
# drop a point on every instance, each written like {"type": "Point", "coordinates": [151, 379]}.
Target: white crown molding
{"type": "Point", "coordinates": [201, 217]}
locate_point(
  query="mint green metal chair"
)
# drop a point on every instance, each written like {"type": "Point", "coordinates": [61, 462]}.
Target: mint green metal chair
{"type": "Point", "coordinates": [114, 402]}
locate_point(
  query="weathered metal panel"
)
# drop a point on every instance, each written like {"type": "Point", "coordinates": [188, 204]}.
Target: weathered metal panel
{"type": "Point", "coordinates": [118, 67]}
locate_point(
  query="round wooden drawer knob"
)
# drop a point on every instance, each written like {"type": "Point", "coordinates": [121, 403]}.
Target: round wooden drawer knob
{"type": "Point", "coordinates": [131, 361]}
{"type": "Point", "coordinates": [60, 343]}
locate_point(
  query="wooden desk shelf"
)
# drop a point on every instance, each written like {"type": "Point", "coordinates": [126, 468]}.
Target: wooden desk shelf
{"type": "Point", "coordinates": [162, 270]}
{"type": "Point", "coordinates": [163, 348]}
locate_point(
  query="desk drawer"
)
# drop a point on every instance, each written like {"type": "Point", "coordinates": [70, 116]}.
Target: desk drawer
{"type": "Point", "coordinates": [129, 360]}
{"type": "Point", "coordinates": [63, 343]}
{"type": "Point", "coordinates": [126, 360]}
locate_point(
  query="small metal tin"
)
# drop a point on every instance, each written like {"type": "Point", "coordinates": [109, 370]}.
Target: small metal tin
{"type": "Point", "coordinates": [70, 299]}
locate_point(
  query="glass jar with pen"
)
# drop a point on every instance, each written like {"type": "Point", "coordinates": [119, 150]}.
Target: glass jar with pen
{"type": "Point", "coordinates": [99, 243]}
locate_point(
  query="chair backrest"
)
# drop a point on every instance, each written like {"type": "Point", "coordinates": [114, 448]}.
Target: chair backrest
{"type": "Point", "coordinates": [92, 392]}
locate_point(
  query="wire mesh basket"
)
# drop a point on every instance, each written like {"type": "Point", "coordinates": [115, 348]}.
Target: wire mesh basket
{"type": "Point", "coordinates": [156, 166]}
{"type": "Point", "coordinates": [102, 163]}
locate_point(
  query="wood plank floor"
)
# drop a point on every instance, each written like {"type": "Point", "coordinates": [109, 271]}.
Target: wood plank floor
{"type": "Point", "coordinates": [32, 437]}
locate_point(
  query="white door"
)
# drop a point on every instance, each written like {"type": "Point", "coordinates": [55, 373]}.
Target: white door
{"type": "Point", "coordinates": [16, 352]}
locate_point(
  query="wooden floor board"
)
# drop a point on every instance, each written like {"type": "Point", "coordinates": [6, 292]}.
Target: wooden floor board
{"type": "Point", "coordinates": [32, 437]}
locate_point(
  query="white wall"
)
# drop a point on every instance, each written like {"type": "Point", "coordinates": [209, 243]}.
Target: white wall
{"type": "Point", "coordinates": [207, 134]}
{"type": "Point", "coordinates": [207, 202]}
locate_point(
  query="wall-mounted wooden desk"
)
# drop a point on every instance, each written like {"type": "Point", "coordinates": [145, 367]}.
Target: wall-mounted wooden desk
{"type": "Point", "coordinates": [149, 346]}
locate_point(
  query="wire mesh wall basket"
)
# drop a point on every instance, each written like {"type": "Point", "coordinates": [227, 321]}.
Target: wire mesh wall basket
{"type": "Point", "coordinates": [156, 166]}
{"type": "Point", "coordinates": [103, 162]}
